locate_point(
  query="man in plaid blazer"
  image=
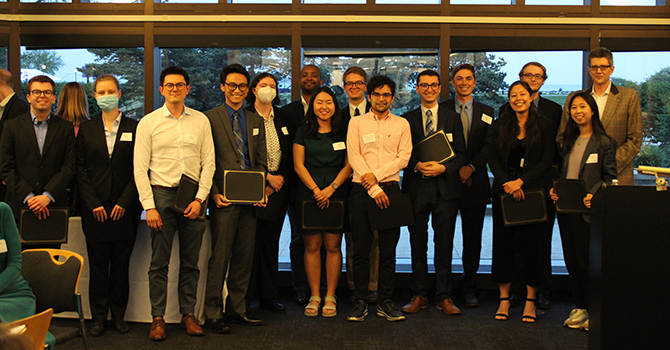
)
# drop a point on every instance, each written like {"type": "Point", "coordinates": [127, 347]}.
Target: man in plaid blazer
{"type": "Point", "coordinates": [619, 109]}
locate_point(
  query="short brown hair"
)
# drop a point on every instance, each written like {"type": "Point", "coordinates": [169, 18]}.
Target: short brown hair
{"type": "Point", "coordinates": [355, 70]}
{"type": "Point", "coordinates": [41, 79]}
{"type": "Point", "coordinates": [460, 67]}
{"type": "Point", "coordinates": [601, 52]}
{"type": "Point", "coordinates": [536, 64]}
{"type": "Point", "coordinates": [106, 77]}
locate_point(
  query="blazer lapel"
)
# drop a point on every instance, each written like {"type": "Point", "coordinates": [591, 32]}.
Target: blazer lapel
{"type": "Point", "coordinates": [29, 129]}
{"type": "Point", "coordinates": [52, 130]}
{"type": "Point", "coordinates": [590, 147]}
{"type": "Point", "coordinates": [611, 106]}
{"type": "Point", "coordinates": [225, 121]}
{"type": "Point", "coordinates": [441, 118]}
{"type": "Point", "coordinates": [250, 137]}
{"type": "Point", "coordinates": [119, 132]}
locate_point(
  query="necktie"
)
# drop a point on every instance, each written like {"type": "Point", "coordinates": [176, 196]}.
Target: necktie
{"type": "Point", "coordinates": [272, 140]}
{"type": "Point", "coordinates": [357, 112]}
{"type": "Point", "coordinates": [464, 121]}
{"type": "Point", "coordinates": [429, 122]}
{"type": "Point", "coordinates": [239, 141]}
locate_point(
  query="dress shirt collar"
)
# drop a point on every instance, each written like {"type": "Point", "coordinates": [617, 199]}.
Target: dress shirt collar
{"type": "Point", "coordinates": [305, 105]}
{"type": "Point", "coordinates": [458, 104]}
{"type": "Point", "coordinates": [33, 117]}
{"type": "Point", "coordinates": [361, 108]}
{"type": "Point", "coordinates": [607, 91]}
{"type": "Point", "coordinates": [270, 117]}
{"type": "Point", "coordinates": [6, 100]}
{"type": "Point", "coordinates": [165, 112]}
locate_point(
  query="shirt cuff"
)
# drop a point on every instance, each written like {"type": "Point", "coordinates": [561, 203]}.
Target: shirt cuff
{"type": "Point", "coordinates": [46, 193]}
{"type": "Point", "coordinates": [474, 170]}
{"type": "Point", "coordinates": [30, 195]}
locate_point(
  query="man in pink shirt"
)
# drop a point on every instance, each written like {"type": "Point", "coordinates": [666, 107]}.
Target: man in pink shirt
{"type": "Point", "coordinates": [379, 145]}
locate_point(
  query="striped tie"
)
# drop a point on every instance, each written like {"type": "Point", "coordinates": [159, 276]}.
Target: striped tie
{"type": "Point", "coordinates": [239, 141]}
{"type": "Point", "coordinates": [429, 122]}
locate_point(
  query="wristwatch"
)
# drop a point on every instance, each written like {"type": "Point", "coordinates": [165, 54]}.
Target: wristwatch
{"type": "Point", "coordinates": [335, 186]}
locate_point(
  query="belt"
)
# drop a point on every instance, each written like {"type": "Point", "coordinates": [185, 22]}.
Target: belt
{"type": "Point", "coordinates": [163, 187]}
{"type": "Point", "coordinates": [387, 183]}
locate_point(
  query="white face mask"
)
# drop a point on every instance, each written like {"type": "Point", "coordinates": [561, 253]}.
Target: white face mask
{"type": "Point", "coordinates": [266, 94]}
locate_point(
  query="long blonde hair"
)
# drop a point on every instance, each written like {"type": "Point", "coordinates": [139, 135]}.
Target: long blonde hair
{"type": "Point", "coordinates": [72, 103]}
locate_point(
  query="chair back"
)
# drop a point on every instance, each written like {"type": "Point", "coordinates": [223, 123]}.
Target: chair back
{"type": "Point", "coordinates": [54, 283]}
{"type": "Point", "coordinates": [36, 327]}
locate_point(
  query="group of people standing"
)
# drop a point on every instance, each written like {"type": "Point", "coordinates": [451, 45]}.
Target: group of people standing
{"type": "Point", "coordinates": [314, 150]}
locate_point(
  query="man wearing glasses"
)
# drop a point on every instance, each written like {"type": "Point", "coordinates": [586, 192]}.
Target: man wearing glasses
{"type": "Point", "coordinates": [38, 154]}
{"type": "Point", "coordinates": [476, 119]}
{"type": "Point", "coordinates": [435, 188]}
{"type": "Point", "coordinates": [239, 141]}
{"type": "Point", "coordinates": [172, 141]}
{"type": "Point", "coordinates": [535, 74]}
{"type": "Point", "coordinates": [619, 109]}
{"type": "Point", "coordinates": [379, 145]}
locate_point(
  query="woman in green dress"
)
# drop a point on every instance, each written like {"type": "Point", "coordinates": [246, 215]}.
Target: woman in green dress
{"type": "Point", "coordinates": [320, 160]}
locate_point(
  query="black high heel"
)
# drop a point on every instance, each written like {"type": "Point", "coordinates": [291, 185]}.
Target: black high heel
{"type": "Point", "coordinates": [530, 319]}
{"type": "Point", "coordinates": [506, 316]}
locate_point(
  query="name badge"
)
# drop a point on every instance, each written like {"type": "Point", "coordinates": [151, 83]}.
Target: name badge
{"type": "Point", "coordinates": [593, 158]}
{"type": "Point", "coordinates": [338, 146]}
{"type": "Point", "coordinates": [3, 246]}
{"type": "Point", "coordinates": [523, 161]}
{"type": "Point", "coordinates": [487, 119]}
{"type": "Point", "coordinates": [450, 137]}
{"type": "Point", "coordinates": [255, 131]}
{"type": "Point", "coordinates": [284, 130]}
{"type": "Point", "coordinates": [190, 139]}
{"type": "Point", "coordinates": [126, 136]}
{"type": "Point", "coordinates": [368, 138]}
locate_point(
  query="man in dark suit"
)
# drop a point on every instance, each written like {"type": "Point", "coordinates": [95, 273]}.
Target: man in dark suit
{"type": "Point", "coordinates": [310, 80]}
{"type": "Point", "coordinates": [476, 119]}
{"type": "Point", "coordinates": [11, 106]}
{"type": "Point", "coordinates": [37, 154]}
{"type": "Point", "coordinates": [435, 188]}
{"type": "Point", "coordinates": [535, 74]}
{"type": "Point", "coordinates": [239, 143]}
{"type": "Point", "coordinates": [110, 207]}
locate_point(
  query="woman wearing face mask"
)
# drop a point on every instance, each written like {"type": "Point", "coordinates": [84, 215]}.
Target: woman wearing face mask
{"type": "Point", "coordinates": [588, 154]}
{"type": "Point", "coordinates": [320, 160]}
{"type": "Point", "coordinates": [109, 203]}
{"type": "Point", "coordinates": [521, 147]}
{"type": "Point", "coordinates": [263, 100]}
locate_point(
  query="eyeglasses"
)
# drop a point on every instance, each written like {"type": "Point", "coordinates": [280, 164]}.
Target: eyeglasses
{"type": "Point", "coordinates": [602, 68]}
{"type": "Point", "coordinates": [378, 95]}
{"type": "Point", "coordinates": [46, 93]}
{"type": "Point", "coordinates": [170, 86]}
{"type": "Point", "coordinates": [359, 84]}
{"type": "Point", "coordinates": [233, 86]}
{"type": "Point", "coordinates": [530, 76]}
{"type": "Point", "coordinates": [425, 86]}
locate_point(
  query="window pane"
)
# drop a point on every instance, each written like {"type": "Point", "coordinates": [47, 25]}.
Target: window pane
{"type": "Point", "coordinates": [84, 66]}
{"type": "Point", "coordinates": [46, 1]}
{"type": "Point", "coordinates": [402, 66]}
{"type": "Point", "coordinates": [114, 1]}
{"type": "Point", "coordinates": [629, 3]}
{"type": "Point", "coordinates": [481, 2]}
{"type": "Point", "coordinates": [189, 1]}
{"type": "Point", "coordinates": [555, 2]}
{"type": "Point", "coordinates": [413, 2]}
{"type": "Point", "coordinates": [204, 66]}
{"type": "Point", "coordinates": [3, 57]}
{"type": "Point", "coordinates": [333, 1]}
{"type": "Point", "coordinates": [649, 74]}
{"type": "Point", "coordinates": [262, 1]}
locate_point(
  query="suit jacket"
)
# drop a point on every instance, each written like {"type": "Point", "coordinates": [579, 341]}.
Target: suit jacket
{"type": "Point", "coordinates": [105, 181]}
{"type": "Point", "coordinates": [346, 114]}
{"type": "Point", "coordinates": [24, 170]}
{"type": "Point", "coordinates": [622, 120]}
{"type": "Point", "coordinates": [225, 147]}
{"type": "Point", "coordinates": [449, 182]}
{"type": "Point", "coordinates": [14, 108]}
{"type": "Point", "coordinates": [537, 158]}
{"type": "Point", "coordinates": [278, 201]}
{"type": "Point", "coordinates": [603, 171]}
{"type": "Point", "coordinates": [295, 113]}
{"type": "Point", "coordinates": [479, 193]}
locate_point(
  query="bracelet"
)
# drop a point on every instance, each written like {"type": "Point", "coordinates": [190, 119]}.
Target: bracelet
{"type": "Point", "coordinates": [315, 187]}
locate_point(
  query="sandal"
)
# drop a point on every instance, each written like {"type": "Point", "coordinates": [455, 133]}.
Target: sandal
{"type": "Point", "coordinates": [504, 317]}
{"type": "Point", "coordinates": [312, 308]}
{"type": "Point", "coordinates": [528, 318]}
{"type": "Point", "coordinates": [328, 310]}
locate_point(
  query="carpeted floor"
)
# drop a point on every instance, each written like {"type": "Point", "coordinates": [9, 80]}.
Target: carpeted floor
{"type": "Point", "coordinates": [427, 329]}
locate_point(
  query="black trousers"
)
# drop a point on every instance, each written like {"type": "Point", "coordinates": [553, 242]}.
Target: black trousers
{"type": "Point", "coordinates": [108, 286]}
{"type": "Point", "coordinates": [264, 275]}
{"type": "Point", "coordinates": [428, 201]}
{"type": "Point", "coordinates": [472, 224]}
{"type": "Point", "coordinates": [507, 241]}
{"type": "Point", "coordinates": [575, 238]}
{"type": "Point", "coordinates": [362, 235]}
{"type": "Point", "coordinates": [297, 248]}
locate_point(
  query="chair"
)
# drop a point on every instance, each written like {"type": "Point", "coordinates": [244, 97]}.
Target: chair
{"type": "Point", "coordinates": [36, 327]}
{"type": "Point", "coordinates": [54, 283]}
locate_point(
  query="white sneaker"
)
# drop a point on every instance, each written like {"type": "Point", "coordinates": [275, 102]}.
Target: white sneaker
{"type": "Point", "coordinates": [577, 318]}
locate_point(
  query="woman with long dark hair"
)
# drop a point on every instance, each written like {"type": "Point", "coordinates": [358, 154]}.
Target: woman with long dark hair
{"type": "Point", "coordinates": [522, 148]}
{"type": "Point", "coordinates": [589, 154]}
{"type": "Point", "coordinates": [320, 160]}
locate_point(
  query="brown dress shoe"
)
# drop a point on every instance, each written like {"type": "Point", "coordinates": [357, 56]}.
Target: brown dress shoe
{"type": "Point", "coordinates": [417, 303]}
{"type": "Point", "coordinates": [448, 307]}
{"type": "Point", "coordinates": [191, 325]}
{"type": "Point", "coordinates": [157, 329]}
